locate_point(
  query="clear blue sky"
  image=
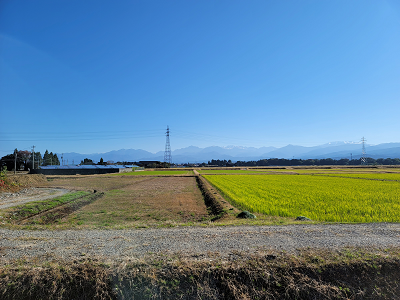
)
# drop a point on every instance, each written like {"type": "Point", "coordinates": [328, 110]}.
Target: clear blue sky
{"type": "Point", "coordinates": [94, 76]}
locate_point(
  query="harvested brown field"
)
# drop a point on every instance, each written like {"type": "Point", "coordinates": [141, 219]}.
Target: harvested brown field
{"type": "Point", "coordinates": [93, 182]}
{"type": "Point", "coordinates": [132, 201]}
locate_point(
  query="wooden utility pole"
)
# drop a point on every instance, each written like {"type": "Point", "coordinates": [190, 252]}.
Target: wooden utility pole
{"type": "Point", "coordinates": [33, 157]}
{"type": "Point", "coordinates": [15, 161]}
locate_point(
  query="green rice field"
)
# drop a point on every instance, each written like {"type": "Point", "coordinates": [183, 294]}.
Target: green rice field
{"type": "Point", "coordinates": [320, 198]}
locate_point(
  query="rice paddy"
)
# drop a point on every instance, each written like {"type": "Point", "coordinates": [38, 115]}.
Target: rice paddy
{"type": "Point", "coordinates": [320, 198]}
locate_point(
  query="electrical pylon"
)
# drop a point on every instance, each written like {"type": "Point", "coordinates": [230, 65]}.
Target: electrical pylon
{"type": "Point", "coordinates": [364, 153]}
{"type": "Point", "coordinates": [167, 153]}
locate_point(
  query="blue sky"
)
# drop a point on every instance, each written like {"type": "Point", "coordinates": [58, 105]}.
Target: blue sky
{"type": "Point", "coordinates": [95, 76]}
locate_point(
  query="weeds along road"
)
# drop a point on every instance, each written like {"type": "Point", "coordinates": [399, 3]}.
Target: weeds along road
{"type": "Point", "coordinates": [200, 242]}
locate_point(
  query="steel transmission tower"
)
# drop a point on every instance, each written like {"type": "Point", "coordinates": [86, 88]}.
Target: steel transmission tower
{"type": "Point", "coordinates": [364, 153]}
{"type": "Point", "coordinates": [167, 153]}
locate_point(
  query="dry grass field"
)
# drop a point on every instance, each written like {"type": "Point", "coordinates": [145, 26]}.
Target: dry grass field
{"type": "Point", "coordinates": [154, 201]}
{"type": "Point", "coordinates": [137, 201]}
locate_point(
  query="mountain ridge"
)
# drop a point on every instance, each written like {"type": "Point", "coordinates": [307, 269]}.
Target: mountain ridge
{"type": "Point", "coordinates": [193, 154]}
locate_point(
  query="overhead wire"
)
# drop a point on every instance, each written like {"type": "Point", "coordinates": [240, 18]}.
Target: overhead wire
{"type": "Point", "coordinates": [80, 136]}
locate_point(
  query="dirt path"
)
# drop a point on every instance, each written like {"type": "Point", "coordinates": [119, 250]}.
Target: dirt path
{"type": "Point", "coordinates": [29, 195]}
{"type": "Point", "coordinates": [197, 242]}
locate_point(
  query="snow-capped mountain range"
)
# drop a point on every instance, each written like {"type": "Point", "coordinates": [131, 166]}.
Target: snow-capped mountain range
{"type": "Point", "coordinates": [192, 154]}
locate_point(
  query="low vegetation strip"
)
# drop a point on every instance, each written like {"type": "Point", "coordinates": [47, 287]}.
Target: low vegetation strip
{"type": "Point", "coordinates": [373, 176]}
{"type": "Point", "coordinates": [21, 212]}
{"type": "Point", "coordinates": [55, 215]}
{"type": "Point", "coordinates": [211, 198]}
{"type": "Point", "coordinates": [233, 171]}
{"type": "Point", "coordinates": [320, 198]}
{"type": "Point", "coordinates": [157, 173]}
{"type": "Point", "coordinates": [344, 274]}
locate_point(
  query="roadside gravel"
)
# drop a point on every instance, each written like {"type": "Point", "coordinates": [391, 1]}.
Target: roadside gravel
{"type": "Point", "coordinates": [199, 242]}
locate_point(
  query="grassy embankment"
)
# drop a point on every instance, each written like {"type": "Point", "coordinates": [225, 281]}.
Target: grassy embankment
{"type": "Point", "coordinates": [311, 274]}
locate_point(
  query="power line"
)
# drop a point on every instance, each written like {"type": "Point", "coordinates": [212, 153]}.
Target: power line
{"type": "Point", "coordinates": [79, 136]}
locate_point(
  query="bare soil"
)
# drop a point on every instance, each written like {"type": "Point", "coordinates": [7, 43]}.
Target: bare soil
{"type": "Point", "coordinates": [28, 180]}
{"type": "Point", "coordinates": [93, 182]}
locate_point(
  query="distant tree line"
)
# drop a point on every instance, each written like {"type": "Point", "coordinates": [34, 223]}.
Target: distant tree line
{"type": "Point", "coordinates": [302, 162]}
{"type": "Point", "coordinates": [88, 161]}
{"type": "Point", "coordinates": [23, 159]}
{"type": "Point", "coordinates": [50, 159]}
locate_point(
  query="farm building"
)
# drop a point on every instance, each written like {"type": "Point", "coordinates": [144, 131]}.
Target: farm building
{"type": "Point", "coordinates": [84, 169]}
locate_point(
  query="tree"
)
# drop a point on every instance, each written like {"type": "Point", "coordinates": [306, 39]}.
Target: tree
{"type": "Point", "coordinates": [22, 160]}
{"type": "Point", "coordinates": [24, 156]}
{"type": "Point", "coordinates": [55, 160]}
{"type": "Point", "coordinates": [101, 162]}
{"type": "Point", "coordinates": [38, 159]}
{"type": "Point", "coordinates": [50, 159]}
{"type": "Point", "coordinates": [47, 159]}
{"type": "Point", "coordinates": [87, 161]}
{"type": "Point", "coordinates": [7, 161]}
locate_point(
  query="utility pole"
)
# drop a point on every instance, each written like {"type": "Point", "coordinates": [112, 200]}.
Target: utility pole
{"type": "Point", "coordinates": [33, 157]}
{"type": "Point", "coordinates": [15, 161]}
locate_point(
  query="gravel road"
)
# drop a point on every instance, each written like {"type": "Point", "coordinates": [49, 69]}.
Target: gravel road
{"type": "Point", "coordinates": [196, 241]}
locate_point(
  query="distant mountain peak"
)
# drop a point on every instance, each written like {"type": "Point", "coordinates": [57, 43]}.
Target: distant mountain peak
{"type": "Point", "coordinates": [335, 150]}
{"type": "Point", "coordinates": [234, 147]}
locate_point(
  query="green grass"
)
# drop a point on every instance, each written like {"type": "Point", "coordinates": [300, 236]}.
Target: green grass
{"type": "Point", "coordinates": [320, 198]}
{"type": "Point", "coordinates": [157, 173]}
{"type": "Point", "coordinates": [32, 208]}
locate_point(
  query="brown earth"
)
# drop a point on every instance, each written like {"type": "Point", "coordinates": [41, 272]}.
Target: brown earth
{"type": "Point", "coordinates": [93, 182]}
{"type": "Point", "coordinates": [28, 180]}
{"type": "Point", "coordinates": [150, 201]}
